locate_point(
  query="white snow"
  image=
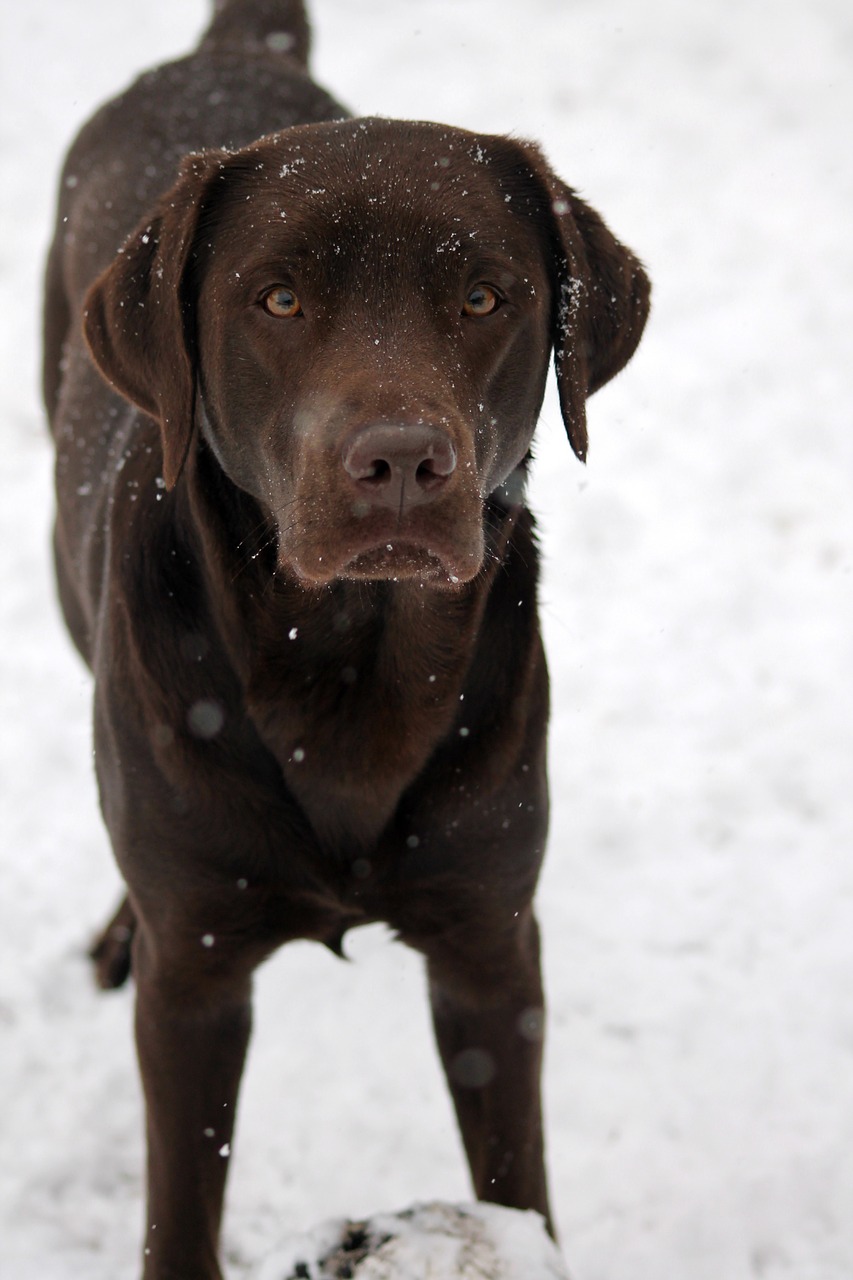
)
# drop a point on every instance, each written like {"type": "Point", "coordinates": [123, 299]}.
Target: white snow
{"type": "Point", "coordinates": [697, 897]}
{"type": "Point", "coordinates": [426, 1242]}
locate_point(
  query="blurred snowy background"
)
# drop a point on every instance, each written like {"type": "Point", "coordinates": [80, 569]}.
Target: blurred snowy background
{"type": "Point", "coordinates": [698, 605]}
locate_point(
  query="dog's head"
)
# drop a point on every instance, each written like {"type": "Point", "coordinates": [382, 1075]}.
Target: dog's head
{"type": "Point", "coordinates": [358, 319]}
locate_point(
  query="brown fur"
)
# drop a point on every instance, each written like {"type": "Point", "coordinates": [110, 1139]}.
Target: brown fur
{"type": "Point", "coordinates": [295, 553]}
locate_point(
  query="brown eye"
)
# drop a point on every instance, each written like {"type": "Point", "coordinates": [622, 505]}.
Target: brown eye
{"type": "Point", "coordinates": [282, 303]}
{"type": "Point", "coordinates": [481, 301]}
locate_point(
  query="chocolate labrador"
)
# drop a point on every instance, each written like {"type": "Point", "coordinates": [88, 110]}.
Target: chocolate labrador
{"type": "Point", "coordinates": [294, 362]}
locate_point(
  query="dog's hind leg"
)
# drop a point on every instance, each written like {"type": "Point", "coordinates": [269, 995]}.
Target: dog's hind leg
{"type": "Point", "coordinates": [110, 952]}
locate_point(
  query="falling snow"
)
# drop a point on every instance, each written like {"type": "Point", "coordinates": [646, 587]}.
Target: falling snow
{"type": "Point", "coordinates": [697, 895]}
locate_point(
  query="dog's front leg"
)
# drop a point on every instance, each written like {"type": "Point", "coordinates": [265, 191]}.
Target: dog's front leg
{"type": "Point", "coordinates": [488, 1013]}
{"type": "Point", "coordinates": [192, 1030]}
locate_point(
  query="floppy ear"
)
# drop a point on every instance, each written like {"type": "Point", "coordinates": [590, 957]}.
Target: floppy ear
{"type": "Point", "coordinates": [139, 321]}
{"type": "Point", "coordinates": [602, 300]}
{"type": "Point", "coordinates": [603, 308]}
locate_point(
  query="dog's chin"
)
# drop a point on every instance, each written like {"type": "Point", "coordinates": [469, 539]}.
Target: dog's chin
{"type": "Point", "coordinates": [391, 561]}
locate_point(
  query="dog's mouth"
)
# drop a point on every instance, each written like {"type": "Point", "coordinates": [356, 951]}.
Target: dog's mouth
{"type": "Point", "coordinates": [440, 544]}
{"type": "Point", "coordinates": [394, 559]}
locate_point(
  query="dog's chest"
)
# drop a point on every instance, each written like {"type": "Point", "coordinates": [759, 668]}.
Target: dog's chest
{"type": "Point", "coordinates": [353, 714]}
{"type": "Point", "coordinates": [348, 758]}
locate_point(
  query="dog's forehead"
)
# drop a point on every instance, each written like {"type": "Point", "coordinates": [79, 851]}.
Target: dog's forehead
{"type": "Point", "coordinates": [420, 174]}
{"type": "Point", "coordinates": [389, 152]}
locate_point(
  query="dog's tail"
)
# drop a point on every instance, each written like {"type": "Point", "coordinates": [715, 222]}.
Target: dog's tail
{"type": "Point", "coordinates": [280, 26]}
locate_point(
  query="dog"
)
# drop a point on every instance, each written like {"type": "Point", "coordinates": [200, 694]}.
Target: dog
{"type": "Point", "coordinates": [293, 366]}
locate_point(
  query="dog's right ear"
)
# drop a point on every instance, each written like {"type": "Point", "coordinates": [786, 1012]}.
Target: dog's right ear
{"type": "Point", "coordinates": [139, 319]}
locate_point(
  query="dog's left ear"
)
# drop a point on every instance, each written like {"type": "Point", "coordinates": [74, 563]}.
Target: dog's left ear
{"type": "Point", "coordinates": [602, 298]}
{"type": "Point", "coordinates": [139, 321]}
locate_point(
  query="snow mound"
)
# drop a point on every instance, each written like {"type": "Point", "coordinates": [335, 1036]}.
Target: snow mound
{"type": "Point", "coordinates": [426, 1242]}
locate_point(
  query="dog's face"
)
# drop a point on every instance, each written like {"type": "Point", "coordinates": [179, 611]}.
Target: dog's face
{"type": "Point", "coordinates": [358, 317]}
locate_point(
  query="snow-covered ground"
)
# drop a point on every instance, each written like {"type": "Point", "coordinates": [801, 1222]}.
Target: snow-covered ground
{"type": "Point", "coordinates": [698, 603]}
{"type": "Point", "coordinates": [424, 1242]}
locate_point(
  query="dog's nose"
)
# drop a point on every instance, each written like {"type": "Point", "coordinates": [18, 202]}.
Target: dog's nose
{"type": "Point", "coordinates": [399, 465]}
